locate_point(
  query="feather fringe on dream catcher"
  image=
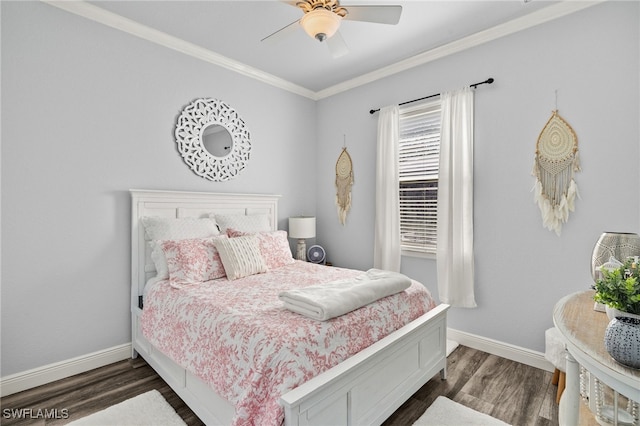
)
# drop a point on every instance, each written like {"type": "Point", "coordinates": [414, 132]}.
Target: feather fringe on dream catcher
{"type": "Point", "coordinates": [344, 182]}
{"type": "Point", "coordinates": [556, 162]}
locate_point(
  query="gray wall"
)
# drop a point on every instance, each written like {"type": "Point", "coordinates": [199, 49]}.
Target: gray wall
{"type": "Point", "coordinates": [88, 112]}
{"type": "Point", "coordinates": [592, 59]}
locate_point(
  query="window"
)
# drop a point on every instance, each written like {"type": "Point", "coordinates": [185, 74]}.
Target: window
{"type": "Point", "coordinates": [418, 160]}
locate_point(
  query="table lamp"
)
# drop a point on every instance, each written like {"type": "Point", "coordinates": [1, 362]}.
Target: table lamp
{"type": "Point", "coordinates": [302, 227]}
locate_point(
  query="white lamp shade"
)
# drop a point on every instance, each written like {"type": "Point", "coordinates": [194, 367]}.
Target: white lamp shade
{"type": "Point", "coordinates": [302, 227]}
{"type": "Point", "coordinates": [320, 21]}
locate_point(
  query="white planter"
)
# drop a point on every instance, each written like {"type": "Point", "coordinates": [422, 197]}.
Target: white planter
{"type": "Point", "coordinates": [614, 313]}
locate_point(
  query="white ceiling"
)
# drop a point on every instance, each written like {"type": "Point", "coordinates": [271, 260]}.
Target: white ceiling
{"type": "Point", "coordinates": [229, 33]}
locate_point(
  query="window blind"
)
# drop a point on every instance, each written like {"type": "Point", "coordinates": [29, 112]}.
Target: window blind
{"type": "Point", "coordinates": [418, 161]}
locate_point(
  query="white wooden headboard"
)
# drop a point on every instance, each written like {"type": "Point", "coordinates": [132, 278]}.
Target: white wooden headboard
{"type": "Point", "coordinates": [179, 204]}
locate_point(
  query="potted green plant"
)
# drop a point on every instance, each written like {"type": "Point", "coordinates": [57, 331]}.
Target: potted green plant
{"type": "Point", "coordinates": [619, 289]}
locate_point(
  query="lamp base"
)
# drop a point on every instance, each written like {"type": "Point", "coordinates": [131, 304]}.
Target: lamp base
{"type": "Point", "coordinates": [301, 253]}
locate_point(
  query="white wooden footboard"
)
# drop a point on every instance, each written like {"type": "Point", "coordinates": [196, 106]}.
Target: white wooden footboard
{"type": "Point", "coordinates": [368, 387]}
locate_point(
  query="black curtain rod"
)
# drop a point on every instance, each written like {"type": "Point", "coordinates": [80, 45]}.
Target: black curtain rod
{"type": "Point", "coordinates": [487, 81]}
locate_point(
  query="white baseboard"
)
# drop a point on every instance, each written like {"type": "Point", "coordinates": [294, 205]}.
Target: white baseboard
{"type": "Point", "coordinates": [501, 349]}
{"type": "Point", "coordinates": [60, 370]}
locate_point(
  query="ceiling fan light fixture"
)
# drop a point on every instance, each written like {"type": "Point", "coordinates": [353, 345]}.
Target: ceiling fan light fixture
{"type": "Point", "coordinates": [320, 23]}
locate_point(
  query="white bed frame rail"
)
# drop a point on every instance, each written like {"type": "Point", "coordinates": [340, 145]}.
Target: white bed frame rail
{"type": "Point", "coordinates": [368, 387]}
{"type": "Point", "coordinates": [363, 390]}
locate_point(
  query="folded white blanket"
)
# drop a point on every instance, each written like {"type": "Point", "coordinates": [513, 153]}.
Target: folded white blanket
{"type": "Point", "coordinates": [326, 301]}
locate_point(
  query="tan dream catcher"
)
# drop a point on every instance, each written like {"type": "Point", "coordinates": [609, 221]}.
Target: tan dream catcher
{"type": "Point", "coordinates": [556, 162]}
{"type": "Point", "coordinates": [344, 181]}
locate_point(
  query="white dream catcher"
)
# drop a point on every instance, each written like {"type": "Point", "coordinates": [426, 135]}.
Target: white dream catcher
{"type": "Point", "coordinates": [344, 182]}
{"type": "Point", "coordinates": [556, 162]}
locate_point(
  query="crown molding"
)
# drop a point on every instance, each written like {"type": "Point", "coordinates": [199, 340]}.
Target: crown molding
{"type": "Point", "coordinates": [541, 16]}
{"type": "Point", "coordinates": [113, 20]}
{"type": "Point", "coordinates": [121, 23]}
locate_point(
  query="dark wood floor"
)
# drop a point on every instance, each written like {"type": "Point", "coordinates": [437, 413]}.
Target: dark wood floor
{"type": "Point", "coordinates": [507, 390]}
{"type": "Point", "coordinates": [515, 393]}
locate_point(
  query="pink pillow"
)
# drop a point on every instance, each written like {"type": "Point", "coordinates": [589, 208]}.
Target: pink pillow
{"type": "Point", "coordinates": [274, 246]}
{"type": "Point", "coordinates": [193, 260]}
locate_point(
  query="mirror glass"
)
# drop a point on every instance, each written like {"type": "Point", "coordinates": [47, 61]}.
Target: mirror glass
{"type": "Point", "coordinates": [217, 140]}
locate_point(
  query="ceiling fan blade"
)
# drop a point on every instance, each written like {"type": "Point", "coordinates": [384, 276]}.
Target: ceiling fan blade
{"type": "Point", "coordinates": [337, 46]}
{"type": "Point", "coordinates": [378, 14]}
{"type": "Point", "coordinates": [282, 32]}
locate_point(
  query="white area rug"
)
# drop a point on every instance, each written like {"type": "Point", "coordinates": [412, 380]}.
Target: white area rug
{"type": "Point", "coordinates": [148, 409]}
{"type": "Point", "coordinates": [445, 412]}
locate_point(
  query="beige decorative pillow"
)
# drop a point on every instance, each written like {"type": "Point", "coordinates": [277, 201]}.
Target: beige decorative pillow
{"type": "Point", "coordinates": [240, 256]}
{"type": "Point", "coordinates": [274, 247]}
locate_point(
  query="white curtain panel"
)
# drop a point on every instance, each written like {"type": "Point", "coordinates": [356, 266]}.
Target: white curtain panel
{"type": "Point", "coordinates": [455, 200]}
{"type": "Point", "coordinates": [386, 245]}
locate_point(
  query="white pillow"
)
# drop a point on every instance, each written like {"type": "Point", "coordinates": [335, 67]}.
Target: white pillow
{"type": "Point", "coordinates": [240, 256]}
{"type": "Point", "coordinates": [243, 223]}
{"type": "Point", "coordinates": [169, 228]}
{"type": "Point", "coordinates": [159, 259]}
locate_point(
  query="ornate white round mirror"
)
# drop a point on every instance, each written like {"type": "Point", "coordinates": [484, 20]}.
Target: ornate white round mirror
{"type": "Point", "coordinates": [212, 139]}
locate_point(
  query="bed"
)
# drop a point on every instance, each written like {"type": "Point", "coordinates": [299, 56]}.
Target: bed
{"type": "Point", "coordinates": [364, 388]}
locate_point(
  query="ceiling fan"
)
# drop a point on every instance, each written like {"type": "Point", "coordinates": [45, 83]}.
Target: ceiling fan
{"type": "Point", "coordinates": [322, 19]}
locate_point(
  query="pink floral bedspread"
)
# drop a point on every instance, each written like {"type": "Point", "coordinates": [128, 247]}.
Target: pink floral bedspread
{"type": "Point", "coordinates": [237, 336]}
